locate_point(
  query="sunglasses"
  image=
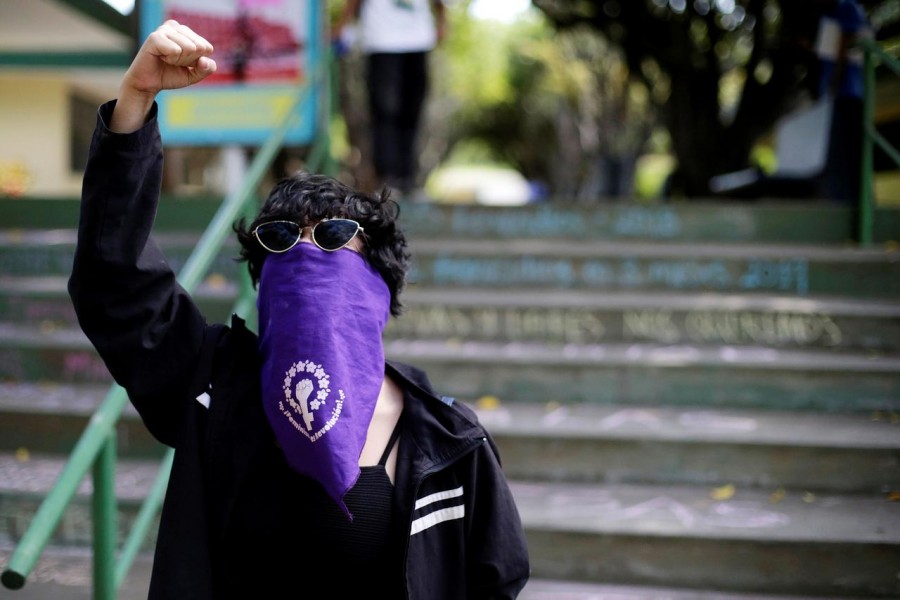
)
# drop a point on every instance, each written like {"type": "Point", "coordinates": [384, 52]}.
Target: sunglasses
{"type": "Point", "coordinates": [329, 234]}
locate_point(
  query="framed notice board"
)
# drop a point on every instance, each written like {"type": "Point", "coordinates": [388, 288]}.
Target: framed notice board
{"type": "Point", "coordinates": [265, 51]}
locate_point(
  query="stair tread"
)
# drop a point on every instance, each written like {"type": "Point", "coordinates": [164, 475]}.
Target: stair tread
{"type": "Point", "coordinates": [56, 285]}
{"type": "Point", "coordinates": [851, 430]}
{"type": "Point", "coordinates": [548, 589]}
{"type": "Point", "coordinates": [518, 246]}
{"type": "Point", "coordinates": [64, 573]}
{"type": "Point", "coordinates": [609, 354]}
{"type": "Point", "coordinates": [643, 354]}
{"type": "Point", "coordinates": [35, 474]}
{"type": "Point", "coordinates": [651, 510]}
{"type": "Point", "coordinates": [639, 248]}
{"type": "Point", "coordinates": [553, 297]}
{"type": "Point", "coordinates": [695, 425]}
{"type": "Point", "coordinates": [54, 398]}
{"type": "Point", "coordinates": [685, 511]}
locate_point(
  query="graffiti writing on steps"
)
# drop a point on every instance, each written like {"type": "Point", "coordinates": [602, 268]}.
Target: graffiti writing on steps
{"type": "Point", "coordinates": [510, 323]}
{"type": "Point", "coordinates": [783, 275]}
{"type": "Point", "coordinates": [637, 222]}
{"type": "Point", "coordinates": [606, 506]}
{"type": "Point", "coordinates": [31, 309]}
{"type": "Point", "coordinates": [586, 325]}
{"type": "Point", "coordinates": [738, 327]}
{"type": "Point", "coordinates": [83, 365]}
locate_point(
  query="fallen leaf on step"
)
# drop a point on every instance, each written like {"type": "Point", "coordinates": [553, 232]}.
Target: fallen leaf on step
{"type": "Point", "coordinates": [724, 492]}
{"type": "Point", "coordinates": [893, 496]}
{"type": "Point", "coordinates": [809, 497]}
{"type": "Point", "coordinates": [216, 281]}
{"type": "Point", "coordinates": [22, 454]}
{"type": "Point", "coordinates": [777, 496]}
{"type": "Point", "coordinates": [489, 403]}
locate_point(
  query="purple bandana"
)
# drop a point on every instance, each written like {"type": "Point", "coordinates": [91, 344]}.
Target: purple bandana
{"type": "Point", "coordinates": [321, 317]}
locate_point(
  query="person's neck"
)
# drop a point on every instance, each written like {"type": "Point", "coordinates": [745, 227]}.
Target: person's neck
{"type": "Point", "coordinates": [387, 412]}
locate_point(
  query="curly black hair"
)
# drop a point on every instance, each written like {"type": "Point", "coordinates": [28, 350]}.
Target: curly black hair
{"type": "Point", "coordinates": [307, 198]}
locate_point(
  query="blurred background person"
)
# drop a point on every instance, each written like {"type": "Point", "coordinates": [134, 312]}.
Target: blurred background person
{"type": "Point", "coordinates": [396, 37]}
{"type": "Point", "coordinates": [842, 24]}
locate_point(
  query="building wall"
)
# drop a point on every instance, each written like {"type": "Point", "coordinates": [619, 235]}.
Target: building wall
{"type": "Point", "coordinates": [34, 119]}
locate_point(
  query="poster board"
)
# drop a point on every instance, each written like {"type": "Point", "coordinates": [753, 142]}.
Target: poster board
{"type": "Point", "coordinates": [265, 51]}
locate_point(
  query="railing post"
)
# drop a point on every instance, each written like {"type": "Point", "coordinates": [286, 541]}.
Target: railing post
{"type": "Point", "coordinates": [46, 519]}
{"type": "Point", "coordinates": [105, 520]}
{"type": "Point", "coordinates": [866, 192]}
{"type": "Point", "coordinates": [144, 520]}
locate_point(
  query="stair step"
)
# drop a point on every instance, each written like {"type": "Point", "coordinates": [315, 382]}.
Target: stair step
{"type": "Point", "coordinates": [547, 589]}
{"type": "Point", "coordinates": [665, 536]}
{"type": "Point", "coordinates": [589, 316]}
{"type": "Point", "coordinates": [696, 221]}
{"type": "Point", "coordinates": [774, 221]}
{"type": "Point", "coordinates": [50, 417]}
{"type": "Point", "coordinates": [799, 270]}
{"type": "Point", "coordinates": [680, 536]}
{"type": "Point", "coordinates": [727, 268]}
{"type": "Point", "coordinates": [855, 452]}
{"type": "Point", "coordinates": [643, 374]}
{"type": "Point", "coordinates": [560, 316]}
{"type": "Point", "coordinates": [65, 574]}
{"type": "Point", "coordinates": [765, 450]}
{"type": "Point", "coordinates": [45, 301]}
{"type": "Point", "coordinates": [26, 478]}
{"type": "Point", "coordinates": [734, 376]}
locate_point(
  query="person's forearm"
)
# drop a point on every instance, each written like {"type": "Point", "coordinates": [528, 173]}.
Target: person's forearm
{"type": "Point", "coordinates": [130, 113]}
{"type": "Point", "coordinates": [173, 56]}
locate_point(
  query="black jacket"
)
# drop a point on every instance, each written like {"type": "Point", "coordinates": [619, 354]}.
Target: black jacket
{"type": "Point", "coordinates": [465, 536]}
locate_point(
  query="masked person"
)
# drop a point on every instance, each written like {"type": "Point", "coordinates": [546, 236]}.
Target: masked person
{"type": "Point", "coordinates": [306, 465]}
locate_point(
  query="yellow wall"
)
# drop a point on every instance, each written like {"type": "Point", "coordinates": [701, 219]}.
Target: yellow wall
{"type": "Point", "coordinates": [34, 132]}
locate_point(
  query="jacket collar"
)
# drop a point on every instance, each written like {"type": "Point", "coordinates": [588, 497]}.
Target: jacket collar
{"type": "Point", "coordinates": [437, 425]}
{"type": "Point", "coordinates": [435, 434]}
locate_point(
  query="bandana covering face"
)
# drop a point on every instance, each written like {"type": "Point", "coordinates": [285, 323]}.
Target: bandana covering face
{"type": "Point", "coordinates": [321, 317]}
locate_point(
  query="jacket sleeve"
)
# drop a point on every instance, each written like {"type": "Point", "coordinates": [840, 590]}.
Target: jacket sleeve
{"type": "Point", "coordinates": [144, 325]}
{"type": "Point", "coordinates": [497, 548]}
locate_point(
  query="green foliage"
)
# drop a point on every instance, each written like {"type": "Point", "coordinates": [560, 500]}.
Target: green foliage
{"type": "Point", "coordinates": [550, 105]}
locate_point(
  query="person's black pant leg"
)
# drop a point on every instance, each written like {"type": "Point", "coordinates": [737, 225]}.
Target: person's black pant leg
{"type": "Point", "coordinates": [415, 89]}
{"type": "Point", "coordinates": [397, 85]}
{"type": "Point", "coordinates": [842, 176]}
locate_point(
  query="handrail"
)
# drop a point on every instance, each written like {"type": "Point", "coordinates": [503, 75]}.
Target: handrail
{"type": "Point", "coordinates": [96, 446]}
{"type": "Point", "coordinates": [872, 53]}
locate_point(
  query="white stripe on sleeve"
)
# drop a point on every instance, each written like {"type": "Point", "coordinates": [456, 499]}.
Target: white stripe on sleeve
{"type": "Point", "coordinates": [438, 496]}
{"type": "Point", "coordinates": [438, 516]}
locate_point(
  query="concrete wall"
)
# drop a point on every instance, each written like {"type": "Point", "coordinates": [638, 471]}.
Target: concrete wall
{"type": "Point", "coordinates": [34, 121]}
{"type": "Point", "coordinates": [35, 130]}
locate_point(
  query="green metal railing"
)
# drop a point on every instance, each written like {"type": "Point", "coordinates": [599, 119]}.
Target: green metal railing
{"type": "Point", "coordinates": [96, 448]}
{"type": "Point", "coordinates": [874, 55]}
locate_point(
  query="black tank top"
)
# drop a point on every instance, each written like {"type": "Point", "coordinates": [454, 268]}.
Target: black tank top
{"type": "Point", "coordinates": [288, 538]}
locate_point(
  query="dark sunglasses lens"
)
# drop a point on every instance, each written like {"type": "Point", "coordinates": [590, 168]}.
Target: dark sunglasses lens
{"type": "Point", "coordinates": [333, 234]}
{"type": "Point", "coordinates": [278, 236]}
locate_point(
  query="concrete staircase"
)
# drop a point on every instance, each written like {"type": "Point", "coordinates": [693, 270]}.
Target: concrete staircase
{"type": "Point", "coordinates": [697, 401]}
